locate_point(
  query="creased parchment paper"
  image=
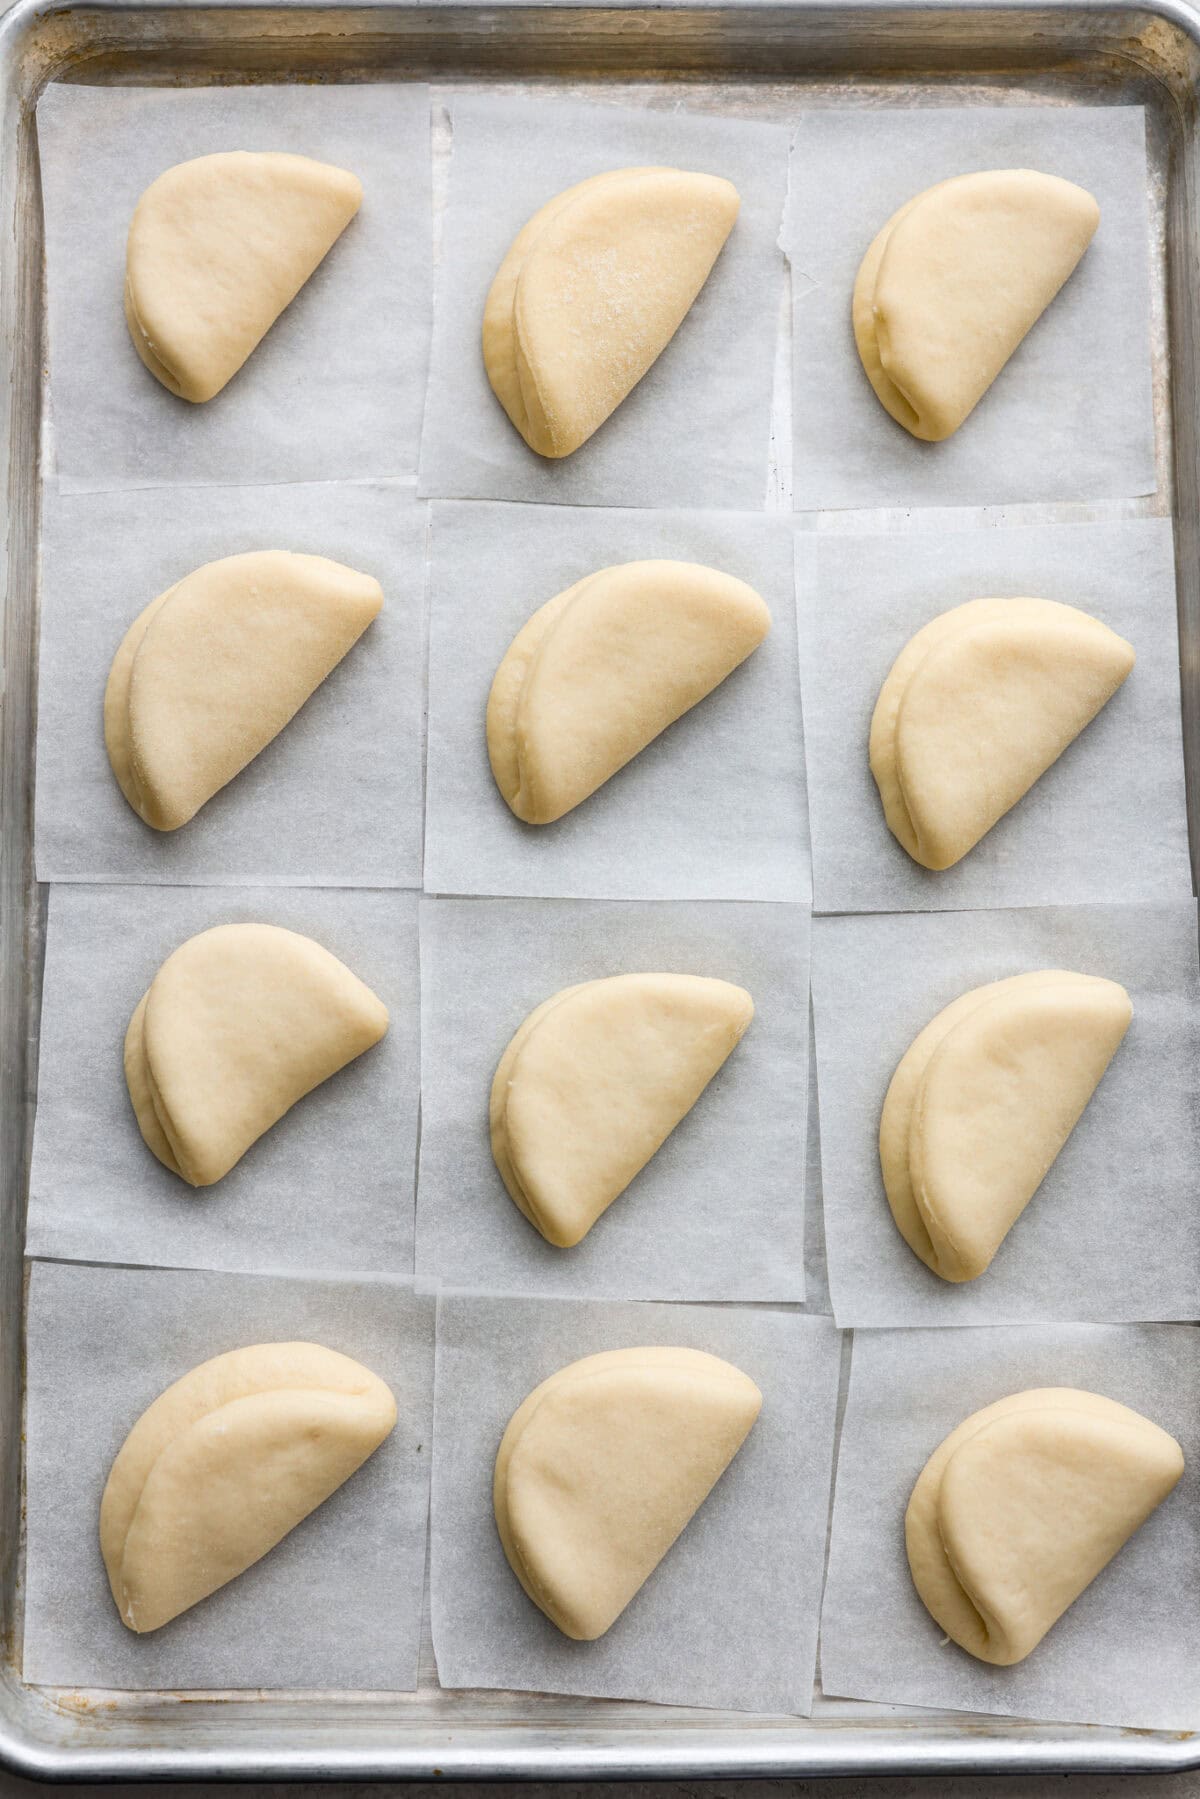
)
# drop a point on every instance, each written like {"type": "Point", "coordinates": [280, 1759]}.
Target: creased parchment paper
{"type": "Point", "coordinates": [728, 1618]}
{"type": "Point", "coordinates": [336, 387]}
{"type": "Point", "coordinates": [337, 1603]}
{"type": "Point", "coordinates": [718, 1212]}
{"type": "Point", "coordinates": [694, 431]}
{"type": "Point", "coordinates": [1128, 1651]}
{"type": "Point", "coordinates": [327, 1189]}
{"type": "Point", "coordinates": [1107, 822]}
{"type": "Point", "coordinates": [1113, 1232]}
{"type": "Point", "coordinates": [336, 798]}
{"type": "Point", "coordinates": [715, 808]}
{"type": "Point", "coordinates": [1070, 416]}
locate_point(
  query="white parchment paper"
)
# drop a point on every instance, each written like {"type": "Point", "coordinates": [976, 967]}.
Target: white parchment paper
{"type": "Point", "coordinates": [336, 387]}
{"type": "Point", "coordinates": [1128, 1651]}
{"type": "Point", "coordinates": [338, 1603]}
{"type": "Point", "coordinates": [327, 1189]}
{"type": "Point", "coordinates": [718, 1213]}
{"type": "Point", "coordinates": [715, 808]}
{"type": "Point", "coordinates": [336, 798]}
{"type": "Point", "coordinates": [1107, 822]}
{"type": "Point", "coordinates": [728, 1618]}
{"type": "Point", "coordinates": [1113, 1233]}
{"type": "Point", "coordinates": [694, 431]}
{"type": "Point", "coordinates": [1070, 417]}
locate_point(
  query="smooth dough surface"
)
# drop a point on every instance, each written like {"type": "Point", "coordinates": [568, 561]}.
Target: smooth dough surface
{"type": "Point", "coordinates": [237, 1025]}
{"type": "Point", "coordinates": [591, 292]}
{"type": "Point", "coordinates": [1021, 1507]}
{"type": "Point", "coordinates": [978, 705]}
{"type": "Point", "coordinates": [602, 669]}
{"type": "Point", "coordinates": [218, 247]}
{"type": "Point", "coordinates": [604, 1465]}
{"type": "Point", "coordinates": [983, 1101]}
{"type": "Point", "coordinates": [225, 1463]}
{"type": "Point", "coordinates": [955, 280]}
{"type": "Point", "coordinates": [594, 1082]}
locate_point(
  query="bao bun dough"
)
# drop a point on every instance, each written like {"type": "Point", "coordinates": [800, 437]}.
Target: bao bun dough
{"type": "Point", "coordinates": [954, 281]}
{"type": "Point", "coordinates": [237, 1025]}
{"type": "Point", "coordinates": [214, 668]}
{"type": "Point", "coordinates": [982, 1103]}
{"type": "Point", "coordinates": [225, 1463]}
{"type": "Point", "coordinates": [592, 290]}
{"type": "Point", "coordinates": [978, 705]}
{"type": "Point", "coordinates": [217, 248]}
{"type": "Point", "coordinates": [604, 1465]}
{"type": "Point", "coordinates": [1023, 1505]}
{"type": "Point", "coordinates": [595, 1081]}
{"type": "Point", "coordinates": [600, 670]}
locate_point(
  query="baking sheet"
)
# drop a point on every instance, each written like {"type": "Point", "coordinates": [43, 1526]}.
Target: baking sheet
{"type": "Point", "coordinates": [328, 1189]}
{"type": "Point", "coordinates": [102, 1344]}
{"type": "Point", "coordinates": [1128, 1651]}
{"type": "Point", "coordinates": [718, 1213]}
{"type": "Point", "coordinates": [694, 431]}
{"type": "Point", "coordinates": [336, 387]}
{"type": "Point", "coordinates": [1113, 1233]}
{"type": "Point", "coordinates": [336, 798]}
{"type": "Point", "coordinates": [1107, 822]}
{"type": "Point", "coordinates": [1071, 415]}
{"type": "Point", "coordinates": [728, 1618]}
{"type": "Point", "coordinates": [715, 808]}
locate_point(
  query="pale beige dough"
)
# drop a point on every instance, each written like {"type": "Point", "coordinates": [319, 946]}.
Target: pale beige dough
{"type": "Point", "coordinates": [604, 1465]}
{"type": "Point", "coordinates": [602, 669]}
{"type": "Point", "coordinates": [218, 247]}
{"type": "Point", "coordinates": [591, 292]}
{"type": "Point", "coordinates": [225, 1463]}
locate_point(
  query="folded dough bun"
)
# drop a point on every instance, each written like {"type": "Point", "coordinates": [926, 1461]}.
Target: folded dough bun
{"type": "Point", "coordinates": [592, 290]}
{"type": "Point", "coordinates": [982, 1103]}
{"type": "Point", "coordinates": [225, 1463]}
{"type": "Point", "coordinates": [600, 670]}
{"type": "Point", "coordinates": [1023, 1505]}
{"type": "Point", "coordinates": [604, 1465]}
{"type": "Point", "coordinates": [954, 281]}
{"type": "Point", "coordinates": [976, 707]}
{"type": "Point", "coordinates": [214, 668]}
{"type": "Point", "coordinates": [217, 248]}
{"type": "Point", "coordinates": [237, 1025]}
{"type": "Point", "coordinates": [595, 1081]}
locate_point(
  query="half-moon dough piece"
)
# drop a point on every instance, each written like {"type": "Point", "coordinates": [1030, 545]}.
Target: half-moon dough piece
{"type": "Point", "coordinates": [214, 668]}
{"type": "Point", "coordinates": [955, 280]}
{"type": "Point", "coordinates": [978, 705]}
{"type": "Point", "coordinates": [225, 1463]}
{"type": "Point", "coordinates": [237, 1025]}
{"type": "Point", "coordinates": [594, 1082]}
{"type": "Point", "coordinates": [604, 1465]}
{"type": "Point", "coordinates": [592, 291]}
{"type": "Point", "coordinates": [983, 1101]}
{"type": "Point", "coordinates": [218, 247]}
{"type": "Point", "coordinates": [602, 669]}
{"type": "Point", "coordinates": [1021, 1507]}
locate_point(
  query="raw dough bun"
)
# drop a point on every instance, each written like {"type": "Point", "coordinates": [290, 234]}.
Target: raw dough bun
{"type": "Point", "coordinates": [225, 1463]}
{"type": "Point", "coordinates": [237, 1025]}
{"type": "Point", "coordinates": [976, 707]}
{"type": "Point", "coordinates": [592, 290]}
{"type": "Point", "coordinates": [604, 1465]}
{"type": "Point", "coordinates": [214, 668]}
{"type": "Point", "coordinates": [600, 670]}
{"type": "Point", "coordinates": [1023, 1505]}
{"type": "Point", "coordinates": [218, 247]}
{"type": "Point", "coordinates": [955, 280]}
{"type": "Point", "coordinates": [983, 1101]}
{"type": "Point", "coordinates": [595, 1081]}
